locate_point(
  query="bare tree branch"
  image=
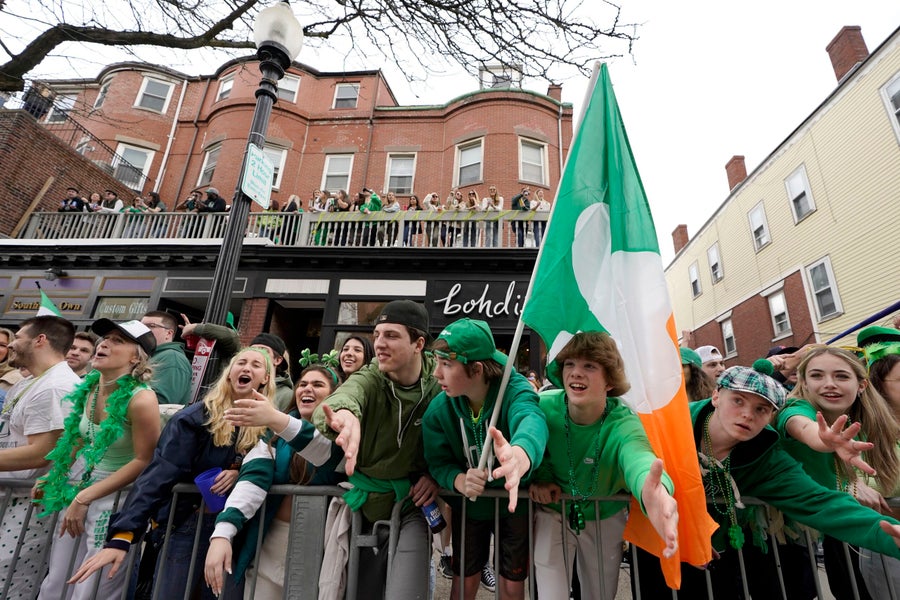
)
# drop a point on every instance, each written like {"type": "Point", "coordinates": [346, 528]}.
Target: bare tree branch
{"type": "Point", "coordinates": [420, 36]}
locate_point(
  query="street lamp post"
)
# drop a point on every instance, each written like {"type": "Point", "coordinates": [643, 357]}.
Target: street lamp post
{"type": "Point", "coordinates": [278, 37]}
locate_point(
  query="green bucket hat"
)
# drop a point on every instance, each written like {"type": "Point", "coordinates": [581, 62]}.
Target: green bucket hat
{"type": "Point", "coordinates": [690, 357]}
{"type": "Point", "coordinates": [469, 341]}
{"type": "Point", "coordinates": [745, 379]}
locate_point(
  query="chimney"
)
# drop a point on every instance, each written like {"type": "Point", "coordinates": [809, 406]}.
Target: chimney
{"type": "Point", "coordinates": [680, 237]}
{"type": "Point", "coordinates": [846, 50]}
{"type": "Point", "coordinates": [736, 170]}
{"type": "Point", "coordinates": [555, 92]}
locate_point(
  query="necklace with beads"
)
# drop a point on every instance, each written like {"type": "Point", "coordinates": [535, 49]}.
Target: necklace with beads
{"type": "Point", "coordinates": [576, 510]}
{"type": "Point", "coordinates": [477, 429]}
{"type": "Point", "coordinates": [718, 484]}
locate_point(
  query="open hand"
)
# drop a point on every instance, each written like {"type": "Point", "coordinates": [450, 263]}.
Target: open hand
{"type": "Point", "coordinates": [841, 442]}
{"type": "Point", "coordinates": [662, 510]}
{"type": "Point", "coordinates": [256, 411]}
{"type": "Point", "coordinates": [107, 556]}
{"type": "Point", "coordinates": [349, 433]}
{"type": "Point", "coordinates": [514, 464]}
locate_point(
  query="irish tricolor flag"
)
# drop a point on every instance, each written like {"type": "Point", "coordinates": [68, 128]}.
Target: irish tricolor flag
{"type": "Point", "coordinates": [599, 270]}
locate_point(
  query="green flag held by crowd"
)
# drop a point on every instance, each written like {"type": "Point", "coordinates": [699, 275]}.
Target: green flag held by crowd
{"type": "Point", "coordinates": [600, 270]}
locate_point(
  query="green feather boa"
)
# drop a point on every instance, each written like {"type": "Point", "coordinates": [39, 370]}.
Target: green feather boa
{"type": "Point", "coordinates": [58, 492]}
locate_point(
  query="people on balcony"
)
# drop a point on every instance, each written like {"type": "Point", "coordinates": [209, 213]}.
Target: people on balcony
{"type": "Point", "coordinates": [492, 203]}
{"type": "Point", "coordinates": [72, 202]}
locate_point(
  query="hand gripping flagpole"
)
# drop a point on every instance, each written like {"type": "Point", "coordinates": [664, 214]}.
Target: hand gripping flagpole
{"type": "Point", "coordinates": [487, 449]}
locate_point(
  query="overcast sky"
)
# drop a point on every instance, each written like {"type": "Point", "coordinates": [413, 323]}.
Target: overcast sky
{"type": "Point", "coordinates": [705, 81]}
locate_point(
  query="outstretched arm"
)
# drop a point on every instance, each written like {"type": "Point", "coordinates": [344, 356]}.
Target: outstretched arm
{"type": "Point", "coordinates": [349, 433]}
{"type": "Point", "coordinates": [514, 464]}
{"type": "Point", "coordinates": [661, 508]}
{"type": "Point", "coordinates": [841, 442]}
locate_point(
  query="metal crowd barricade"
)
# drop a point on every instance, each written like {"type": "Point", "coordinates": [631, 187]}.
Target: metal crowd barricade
{"type": "Point", "coordinates": [305, 551]}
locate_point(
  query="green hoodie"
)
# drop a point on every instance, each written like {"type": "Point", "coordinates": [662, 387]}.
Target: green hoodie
{"type": "Point", "coordinates": [761, 468]}
{"type": "Point", "coordinates": [171, 374]}
{"type": "Point", "coordinates": [390, 417]}
{"type": "Point", "coordinates": [521, 422]}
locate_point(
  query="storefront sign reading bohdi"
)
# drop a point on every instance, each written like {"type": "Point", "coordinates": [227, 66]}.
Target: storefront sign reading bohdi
{"type": "Point", "coordinates": [486, 300]}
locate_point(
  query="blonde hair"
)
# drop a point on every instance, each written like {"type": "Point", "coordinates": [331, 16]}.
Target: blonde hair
{"type": "Point", "coordinates": [142, 371]}
{"type": "Point", "coordinates": [872, 412]}
{"type": "Point", "coordinates": [4, 364]}
{"type": "Point", "coordinates": [220, 397]}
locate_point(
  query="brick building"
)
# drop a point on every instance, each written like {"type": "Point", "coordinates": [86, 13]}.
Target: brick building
{"type": "Point", "coordinates": [143, 127]}
{"type": "Point", "coordinates": [799, 251]}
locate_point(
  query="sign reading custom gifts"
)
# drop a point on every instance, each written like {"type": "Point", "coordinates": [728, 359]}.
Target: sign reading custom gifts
{"type": "Point", "coordinates": [492, 301]}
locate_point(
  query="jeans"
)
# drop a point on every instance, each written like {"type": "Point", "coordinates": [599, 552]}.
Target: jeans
{"type": "Point", "coordinates": [173, 564]}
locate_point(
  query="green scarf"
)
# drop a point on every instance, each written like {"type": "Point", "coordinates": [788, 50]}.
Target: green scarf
{"type": "Point", "coordinates": [58, 492]}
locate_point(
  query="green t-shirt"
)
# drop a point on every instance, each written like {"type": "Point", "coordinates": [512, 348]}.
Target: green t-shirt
{"type": "Point", "coordinates": [818, 465]}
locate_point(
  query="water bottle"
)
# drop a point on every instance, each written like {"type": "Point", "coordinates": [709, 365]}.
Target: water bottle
{"type": "Point", "coordinates": [431, 511]}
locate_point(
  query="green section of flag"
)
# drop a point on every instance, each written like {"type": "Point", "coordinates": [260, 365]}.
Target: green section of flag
{"type": "Point", "coordinates": [600, 169]}
{"type": "Point", "coordinates": [47, 306]}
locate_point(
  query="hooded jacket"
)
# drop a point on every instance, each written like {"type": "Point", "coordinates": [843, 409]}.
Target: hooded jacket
{"type": "Point", "coordinates": [390, 418]}
{"type": "Point", "coordinates": [171, 374]}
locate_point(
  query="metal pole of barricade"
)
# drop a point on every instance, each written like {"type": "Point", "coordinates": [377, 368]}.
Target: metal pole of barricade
{"type": "Point", "coordinates": [598, 530]}
{"type": "Point", "coordinates": [709, 586]}
{"type": "Point", "coordinates": [564, 535]}
{"type": "Point", "coordinates": [743, 572]}
{"type": "Point", "coordinates": [635, 572]}
{"type": "Point", "coordinates": [851, 571]}
{"type": "Point", "coordinates": [165, 549]}
{"type": "Point", "coordinates": [778, 566]}
{"type": "Point", "coordinates": [254, 577]}
{"type": "Point", "coordinates": [496, 553]}
{"type": "Point", "coordinates": [532, 584]}
{"type": "Point", "coordinates": [886, 571]}
{"type": "Point", "coordinates": [196, 545]}
{"type": "Point", "coordinates": [811, 550]}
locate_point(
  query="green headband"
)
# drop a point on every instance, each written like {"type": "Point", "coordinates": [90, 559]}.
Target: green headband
{"type": "Point", "coordinates": [328, 361]}
{"type": "Point", "coordinates": [264, 353]}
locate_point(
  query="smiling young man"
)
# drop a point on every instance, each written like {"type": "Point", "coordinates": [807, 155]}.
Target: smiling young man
{"type": "Point", "coordinates": [740, 455]}
{"type": "Point", "coordinates": [597, 447]}
{"type": "Point", "coordinates": [80, 353]}
{"type": "Point", "coordinates": [376, 417]}
{"type": "Point", "coordinates": [469, 369]}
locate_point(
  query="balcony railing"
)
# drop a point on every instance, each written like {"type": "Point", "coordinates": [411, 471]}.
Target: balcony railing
{"type": "Point", "coordinates": [418, 229]}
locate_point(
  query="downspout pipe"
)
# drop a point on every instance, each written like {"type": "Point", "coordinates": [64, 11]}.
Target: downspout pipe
{"type": "Point", "coordinates": [165, 158]}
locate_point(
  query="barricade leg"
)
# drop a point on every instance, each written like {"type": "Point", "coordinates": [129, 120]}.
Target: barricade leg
{"type": "Point", "coordinates": [25, 542]}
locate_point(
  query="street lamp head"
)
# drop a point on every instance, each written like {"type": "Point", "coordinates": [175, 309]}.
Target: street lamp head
{"type": "Point", "coordinates": [277, 26]}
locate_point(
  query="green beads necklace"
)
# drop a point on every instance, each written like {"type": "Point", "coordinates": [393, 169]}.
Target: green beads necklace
{"type": "Point", "coordinates": [718, 484]}
{"type": "Point", "coordinates": [576, 510]}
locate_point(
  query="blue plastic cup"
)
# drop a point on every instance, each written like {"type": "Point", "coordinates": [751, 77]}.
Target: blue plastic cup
{"type": "Point", "coordinates": [214, 502]}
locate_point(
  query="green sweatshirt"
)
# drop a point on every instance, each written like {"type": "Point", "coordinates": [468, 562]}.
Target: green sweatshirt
{"type": "Point", "coordinates": [819, 465]}
{"type": "Point", "coordinates": [391, 421]}
{"type": "Point", "coordinates": [761, 468]}
{"type": "Point", "coordinates": [521, 422]}
{"type": "Point", "coordinates": [171, 374]}
{"type": "Point", "coordinates": [624, 456]}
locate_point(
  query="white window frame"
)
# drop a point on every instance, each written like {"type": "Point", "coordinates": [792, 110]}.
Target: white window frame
{"type": "Point", "coordinates": [62, 106]}
{"type": "Point", "coordinates": [101, 95]}
{"type": "Point", "coordinates": [84, 145]}
{"type": "Point", "coordinates": [459, 166]}
{"type": "Point", "coordinates": [142, 91]}
{"type": "Point", "coordinates": [730, 348]}
{"type": "Point", "coordinates": [288, 88]}
{"type": "Point", "coordinates": [694, 277]}
{"type": "Point", "coordinates": [825, 264]}
{"type": "Point", "coordinates": [120, 152]}
{"type": "Point", "coordinates": [277, 155]}
{"type": "Point", "coordinates": [327, 172]}
{"type": "Point", "coordinates": [225, 87]}
{"type": "Point", "coordinates": [758, 212]}
{"type": "Point", "coordinates": [211, 155]}
{"type": "Point", "coordinates": [344, 86]}
{"type": "Point", "coordinates": [716, 272]}
{"type": "Point", "coordinates": [889, 92]}
{"type": "Point", "coordinates": [542, 149]}
{"type": "Point", "coordinates": [390, 175]}
{"type": "Point", "coordinates": [797, 186]}
{"type": "Point", "coordinates": [778, 301]}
